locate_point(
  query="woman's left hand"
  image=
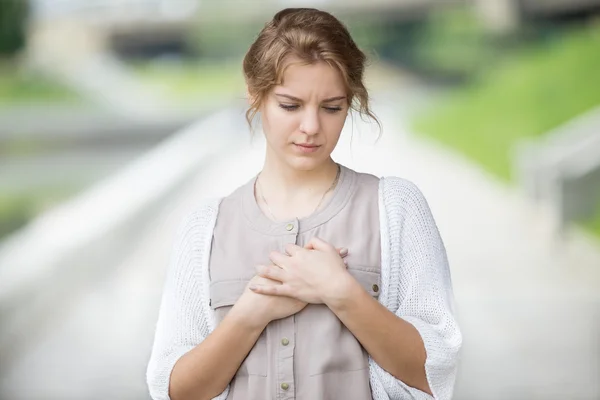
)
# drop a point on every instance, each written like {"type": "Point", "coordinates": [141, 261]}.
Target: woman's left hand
{"type": "Point", "coordinates": [311, 274]}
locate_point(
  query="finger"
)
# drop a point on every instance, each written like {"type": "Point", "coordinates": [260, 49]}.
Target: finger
{"type": "Point", "coordinates": [271, 272]}
{"type": "Point", "coordinates": [279, 259]}
{"type": "Point", "coordinates": [292, 249]}
{"type": "Point", "coordinates": [343, 251]}
{"type": "Point", "coordinates": [271, 290]}
{"type": "Point", "coordinates": [259, 280]}
{"type": "Point", "coordinates": [318, 244]}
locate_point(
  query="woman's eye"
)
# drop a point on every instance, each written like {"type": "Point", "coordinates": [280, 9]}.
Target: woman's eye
{"type": "Point", "coordinates": [294, 107]}
{"type": "Point", "coordinates": [289, 107]}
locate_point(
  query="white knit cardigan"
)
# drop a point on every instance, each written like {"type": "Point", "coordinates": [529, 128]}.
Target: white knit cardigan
{"type": "Point", "coordinates": [415, 285]}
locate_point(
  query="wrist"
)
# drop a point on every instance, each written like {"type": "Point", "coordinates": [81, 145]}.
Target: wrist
{"type": "Point", "coordinates": [341, 291]}
{"type": "Point", "coordinates": [247, 320]}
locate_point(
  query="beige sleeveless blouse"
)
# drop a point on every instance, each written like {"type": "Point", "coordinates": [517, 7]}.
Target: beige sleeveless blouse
{"type": "Point", "coordinates": [310, 355]}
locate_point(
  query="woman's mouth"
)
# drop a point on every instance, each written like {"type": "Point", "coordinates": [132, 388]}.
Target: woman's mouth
{"type": "Point", "coordinates": [306, 148]}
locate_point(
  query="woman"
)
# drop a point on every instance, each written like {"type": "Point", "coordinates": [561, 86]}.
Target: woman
{"type": "Point", "coordinates": [311, 281]}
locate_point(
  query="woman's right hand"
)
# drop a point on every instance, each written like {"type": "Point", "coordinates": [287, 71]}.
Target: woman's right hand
{"type": "Point", "coordinates": [260, 309]}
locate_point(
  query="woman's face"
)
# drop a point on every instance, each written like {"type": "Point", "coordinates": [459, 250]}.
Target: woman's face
{"type": "Point", "coordinates": [303, 118]}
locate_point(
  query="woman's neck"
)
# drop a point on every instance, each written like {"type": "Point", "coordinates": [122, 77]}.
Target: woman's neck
{"type": "Point", "coordinates": [285, 179]}
{"type": "Point", "coordinates": [291, 192]}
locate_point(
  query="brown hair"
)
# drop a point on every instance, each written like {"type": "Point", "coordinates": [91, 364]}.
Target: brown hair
{"type": "Point", "coordinates": [310, 35]}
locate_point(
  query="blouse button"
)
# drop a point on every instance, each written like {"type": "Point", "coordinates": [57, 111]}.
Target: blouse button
{"type": "Point", "coordinates": [289, 227]}
{"type": "Point", "coordinates": [285, 386]}
{"type": "Point", "coordinates": [285, 341]}
{"type": "Point", "coordinates": [375, 288]}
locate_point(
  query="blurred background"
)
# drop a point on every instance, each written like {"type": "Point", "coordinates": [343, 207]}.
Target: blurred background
{"type": "Point", "coordinates": [118, 116]}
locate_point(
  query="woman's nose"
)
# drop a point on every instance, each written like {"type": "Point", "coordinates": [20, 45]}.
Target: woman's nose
{"type": "Point", "coordinates": [310, 124]}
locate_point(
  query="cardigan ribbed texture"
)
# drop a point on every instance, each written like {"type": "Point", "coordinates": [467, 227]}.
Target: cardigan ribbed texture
{"type": "Point", "coordinates": [415, 285]}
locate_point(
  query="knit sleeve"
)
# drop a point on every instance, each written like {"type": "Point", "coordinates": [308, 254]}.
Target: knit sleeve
{"type": "Point", "coordinates": [184, 318]}
{"type": "Point", "coordinates": [419, 289]}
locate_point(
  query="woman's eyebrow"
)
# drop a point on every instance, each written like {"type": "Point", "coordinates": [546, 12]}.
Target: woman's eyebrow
{"type": "Point", "coordinates": [329, 100]}
{"type": "Point", "coordinates": [287, 96]}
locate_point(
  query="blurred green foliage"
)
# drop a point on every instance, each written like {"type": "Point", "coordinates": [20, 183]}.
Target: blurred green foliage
{"type": "Point", "coordinates": [447, 44]}
{"type": "Point", "coordinates": [452, 42]}
{"type": "Point", "coordinates": [17, 208]}
{"type": "Point", "coordinates": [530, 94]}
{"type": "Point", "coordinates": [21, 146]}
{"type": "Point", "coordinates": [593, 224]}
{"type": "Point", "coordinates": [15, 211]}
{"type": "Point", "coordinates": [220, 39]}
{"type": "Point", "coordinates": [18, 86]}
{"type": "Point", "coordinates": [13, 26]}
{"type": "Point", "coordinates": [194, 81]}
{"type": "Point", "coordinates": [538, 89]}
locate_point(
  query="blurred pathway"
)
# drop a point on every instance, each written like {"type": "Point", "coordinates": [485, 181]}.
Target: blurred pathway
{"type": "Point", "coordinates": [529, 308]}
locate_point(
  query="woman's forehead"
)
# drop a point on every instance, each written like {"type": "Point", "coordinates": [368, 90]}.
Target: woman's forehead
{"type": "Point", "coordinates": [315, 80]}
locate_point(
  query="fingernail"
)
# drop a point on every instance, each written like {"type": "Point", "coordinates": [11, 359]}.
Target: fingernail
{"type": "Point", "coordinates": [252, 287]}
{"type": "Point", "coordinates": [344, 251]}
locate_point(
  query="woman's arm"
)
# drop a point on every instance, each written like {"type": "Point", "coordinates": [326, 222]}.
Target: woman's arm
{"type": "Point", "coordinates": [206, 370]}
{"type": "Point", "coordinates": [412, 336]}
{"type": "Point", "coordinates": [393, 343]}
{"type": "Point", "coordinates": [416, 345]}
{"type": "Point", "coordinates": [188, 361]}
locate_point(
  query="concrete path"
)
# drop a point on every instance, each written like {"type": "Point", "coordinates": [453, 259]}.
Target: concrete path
{"type": "Point", "coordinates": [528, 306]}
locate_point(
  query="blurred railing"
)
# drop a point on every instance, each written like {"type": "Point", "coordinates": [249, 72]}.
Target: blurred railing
{"type": "Point", "coordinates": [123, 9]}
{"type": "Point", "coordinates": [88, 125]}
{"type": "Point", "coordinates": [67, 249]}
{"type": "Point", "coordinates": [549, 7]}
{"type": "Point", "coordinates": [562, 169]}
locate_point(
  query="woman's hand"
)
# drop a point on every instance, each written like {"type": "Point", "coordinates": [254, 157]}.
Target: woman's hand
{"type": "Point", "coordinates": [311, 274]}
{"type": "Point", "coordinates": [259, 309]}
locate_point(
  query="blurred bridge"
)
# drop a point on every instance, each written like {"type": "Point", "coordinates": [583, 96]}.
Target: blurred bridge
{"type": "Point", "coordinates": [92, 26]}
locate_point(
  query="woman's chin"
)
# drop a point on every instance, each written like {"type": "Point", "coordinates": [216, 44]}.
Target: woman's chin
{"type": "Point", "coordinates": [307, 163]}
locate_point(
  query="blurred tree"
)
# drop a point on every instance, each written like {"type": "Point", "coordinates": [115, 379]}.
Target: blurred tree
{"type": "Point", "coordinates": [222, 39]}
{"type": "Point", "coordinates": [531, 92]}
{"type": "Point", "coordinates": [453, 44]}
{"type": "Point", "coordinates": [13, 25]}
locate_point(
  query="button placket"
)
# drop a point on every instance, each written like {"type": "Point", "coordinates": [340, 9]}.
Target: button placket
{"type": "Point", "coordinates": [286, 340]}
{"type": "Point", "coordinates": [285, 346]}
